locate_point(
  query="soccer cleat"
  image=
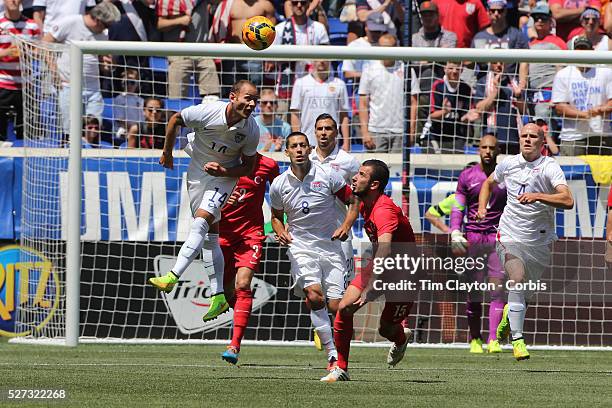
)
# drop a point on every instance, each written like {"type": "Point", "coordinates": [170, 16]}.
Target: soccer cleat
{"type": "Point", "coordinates": [317, 341]}
{"type": "Point", "coordinates": [503, 328]}
{"type": "Point", "coordinates": [337, 374]}
{"type": "Point", "coordinates": [230, 355]}
{"type": "Point", "coordinates": [165, 283]}
{"type": "Point", "coordinates": [218, 305]}
{"type": "Point", "coordinates": [396, 353]}
{"type": "Point", "coordinates": [493, 347]}
{"type": "Point", "coordinates": [476, 346]}
{"type": "Point", "coordinates": [409, 334]}
{"type": "Point", "coordinates": [520, 350]}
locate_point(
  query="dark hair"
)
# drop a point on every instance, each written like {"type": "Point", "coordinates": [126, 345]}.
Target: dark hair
{"type": "Point", "coordinates": [293, 134]}
{"type": "Point", "coordinates": [326, 116]}
{"type": "Point", "coordinates": [152, 98]}
{"type": "Point", "coordinates": [238, 85]}
{"type": "Point", "coordinates": [380, 173]}
{"type": "Point", "coordinates": [90, 120]}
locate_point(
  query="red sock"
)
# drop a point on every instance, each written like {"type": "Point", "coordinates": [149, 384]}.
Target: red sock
{"type": "Point", "coordinates": [343, 334]}
{"type": "Point", "coordinates": [242, 312]}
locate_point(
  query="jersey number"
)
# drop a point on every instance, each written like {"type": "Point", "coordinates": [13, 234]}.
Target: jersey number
{"type": "Point", "coordinates": [521, 189]}
{"type": "Point", "coordinates": [242, 193]}
{"type": "Point", "coordinates": [220, 149]}
{"type": "Point", "coordinates": [305, 208]}
{"type": "Point", "coordinates": [221, 199]}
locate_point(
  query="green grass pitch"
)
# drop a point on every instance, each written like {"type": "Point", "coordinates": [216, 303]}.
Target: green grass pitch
{"type": "Point", "coordinates": [195, 376]}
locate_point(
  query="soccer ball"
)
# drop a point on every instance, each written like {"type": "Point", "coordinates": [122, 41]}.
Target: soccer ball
{"type": "Point", "coordinates": [258, 33]}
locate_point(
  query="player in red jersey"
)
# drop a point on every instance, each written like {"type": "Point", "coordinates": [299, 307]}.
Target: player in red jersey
{"type": "Point", "coordinates": [385, 224]}
{"type": "Point", "coordinates": [241, 237]}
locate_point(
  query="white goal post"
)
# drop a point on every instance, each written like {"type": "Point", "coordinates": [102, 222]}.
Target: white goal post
{"type": "Point", "coordinates": [77, 51]}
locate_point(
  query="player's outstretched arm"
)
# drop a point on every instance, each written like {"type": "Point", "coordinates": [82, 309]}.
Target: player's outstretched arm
{"type": "Point", "coordinates": [562, 198]}
{"type": "Point", "coordinates": [484, 196]}
{"type": "Point", "coordinates": [282, 235]}
{"type": "Point", "coordinates": [175, 122]}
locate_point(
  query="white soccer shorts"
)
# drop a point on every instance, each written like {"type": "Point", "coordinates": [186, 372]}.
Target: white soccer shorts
{"type": "Point", "coordinates": [534, 258]}
{"type": "Point", "coordinates": [311, 268]}
{"type": "Point", "coordinates": [208, 192]}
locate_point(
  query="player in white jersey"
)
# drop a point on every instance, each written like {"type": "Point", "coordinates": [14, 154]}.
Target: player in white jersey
{"type": "Point", "coordinates": [223, 148]}
{"type": "Point", "coordinates": [307, 193]}
{"type": "Point", "coordinates": [535, 186]}
{"type": "Point", "coordinates": [328, 154]}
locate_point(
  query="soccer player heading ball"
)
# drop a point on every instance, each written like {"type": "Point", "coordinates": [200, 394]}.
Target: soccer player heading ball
{"type": "Point", "coordinates": [222, 149]}
{"type": "Point", "coordinates": [535, 186]}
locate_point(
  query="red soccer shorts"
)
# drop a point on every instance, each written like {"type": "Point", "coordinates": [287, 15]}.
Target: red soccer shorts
{"type": "Point", "coordinates": [242, 252]}
{"type": "Point", "coordinates": [393, 313]}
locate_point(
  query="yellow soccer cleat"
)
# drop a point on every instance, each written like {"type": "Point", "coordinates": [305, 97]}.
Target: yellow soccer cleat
{"type": "Point", "coordinates": [493, 347]}
{"type": "Point", "coordinates": [503, 328]}
{"type": "Point", "coordinates": [165, 283]}
{"type": "Point", "coordinates": [520, 350]}
{"type": "Point", "coordinates": [476, 346]}
{"type": "Point", "coordinates": [317, 341]}
{"type": "Point", "coordinates": [218, 305]}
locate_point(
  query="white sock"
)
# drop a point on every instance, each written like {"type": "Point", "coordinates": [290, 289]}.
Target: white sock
{"type": "Point", "coordinates": [516, 312]}
{"type": "Point", "coordinates": [216, 281]}
{"type": "Point", "coordinates": [192, 246]}
{"type": "Point", "coordinates": [322, 324]}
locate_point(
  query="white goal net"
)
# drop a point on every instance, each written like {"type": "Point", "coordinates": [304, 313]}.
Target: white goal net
{"type": "Point", "coordinates": [134, 214]}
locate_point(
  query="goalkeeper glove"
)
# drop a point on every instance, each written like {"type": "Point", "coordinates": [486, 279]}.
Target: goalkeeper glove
{"type": "Point", "coordinates": [459, 244]}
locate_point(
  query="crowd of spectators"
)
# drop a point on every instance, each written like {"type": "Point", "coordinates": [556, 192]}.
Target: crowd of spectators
{"type": "Point", "coordinates": [452, 104]}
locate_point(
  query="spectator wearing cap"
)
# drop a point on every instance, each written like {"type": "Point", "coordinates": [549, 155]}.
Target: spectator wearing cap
{"type": "Point", "coordinates": [541, 75]}
{"type": "Point", "coordinates": [392, 12]}
{"type": "Point", "coordinates": [90, 27]}
{"type": "Point", "coordinates": [582, 97]}
{"type": "Point", "coordinates": [374, 28]}
{"type": "Point", "coordinates": [382, 104]}
{"type": "Point", "coordinates": [500, 35]}
{"type": "Point", "coordinates": [13, 22]}
{"type": "Point", "coordinates": [431, 34]}
{"type": "Point", "coordinates": [463, 17]}
{"type": "Point", "coordinates": [590, 28]}
{"type": "Point", "coordinates": [501, 103]}
{"type": "Point", "coordinates": [567, 14]}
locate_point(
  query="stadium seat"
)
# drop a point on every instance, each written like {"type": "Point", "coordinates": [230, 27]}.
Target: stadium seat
{"type": "Point", "coordinates": [357, 148]}
{"type": "Point", "coordinates": [338, 31]}
{"type": "Point", "coordinates": [176, 105]}
{"type": "Point", "coordinates": [158, 64]}
{"type": "Point", "coordinates": [107, 113]}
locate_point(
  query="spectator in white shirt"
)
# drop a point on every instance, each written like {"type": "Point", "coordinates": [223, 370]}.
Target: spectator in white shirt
{"type": "Point", "coordinates": [381, 103]}
{"type": "Point", "coordinates": [90, 27]}
{"type": "Point", "coordinates": [48, 13]}
{"type": "Point", "coordinates": [582, 97]}
{"type": "Point", "coordinates": [318, 93]}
